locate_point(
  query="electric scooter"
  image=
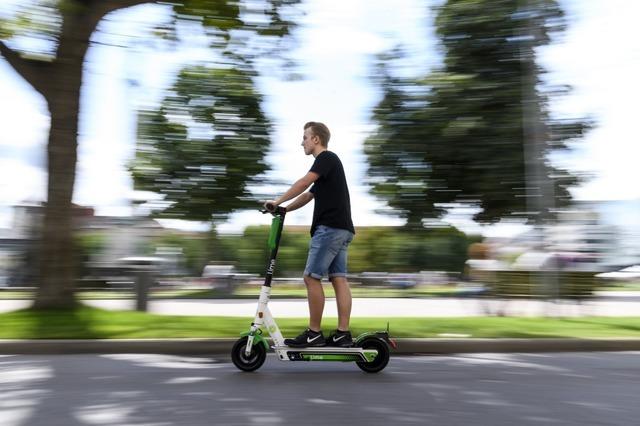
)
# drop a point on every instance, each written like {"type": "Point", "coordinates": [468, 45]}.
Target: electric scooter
{"type": "Point", "coordinates": [370, 351]}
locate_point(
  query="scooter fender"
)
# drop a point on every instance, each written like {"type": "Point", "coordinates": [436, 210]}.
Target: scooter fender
{"type": "Point", "coordinates": [382, 335]}
{"type": "Point", "coordinates": [257, 339]}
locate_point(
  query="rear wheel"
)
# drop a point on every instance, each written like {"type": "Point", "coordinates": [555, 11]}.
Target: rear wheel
{"type": "Point", "coordinates": [380, 361]}
{"type": "Point", "coordinates": [253, 361]}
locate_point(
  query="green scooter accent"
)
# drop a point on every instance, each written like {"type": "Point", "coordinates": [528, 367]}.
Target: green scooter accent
{"type": "Point", "coordinates": [332, 357]}
{"type": "Point", "coordinates": [273, 233]}
{"type": "Point", "coordinates": [363, 336]}
{"type": "Point", "coordinates": [257, 339]}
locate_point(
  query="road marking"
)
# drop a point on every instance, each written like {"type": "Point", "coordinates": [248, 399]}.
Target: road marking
{"type": "Point", "coordinates": [322, 401]}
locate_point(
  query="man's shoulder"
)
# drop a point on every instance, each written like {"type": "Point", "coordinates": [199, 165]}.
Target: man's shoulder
{"type": "Point", "coordinates": [328, 156]}
{"type": "Point", "coordinates": [326, 163]}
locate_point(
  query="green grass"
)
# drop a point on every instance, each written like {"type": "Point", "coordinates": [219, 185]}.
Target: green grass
{"type": "Point", "coordinates": [277, 292]}
{"type": "Point", "coordinates": [629, 286]}
{"type": "Point", "coordinates": [91, 323]}
{"type": "Point", "coordinates": [16, 294]}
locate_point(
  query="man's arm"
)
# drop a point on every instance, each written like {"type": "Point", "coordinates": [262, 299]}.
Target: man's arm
{"type": "Point", "coordinates": [301, 201]}
{"type": "Point", "coordinates": [297, 188]}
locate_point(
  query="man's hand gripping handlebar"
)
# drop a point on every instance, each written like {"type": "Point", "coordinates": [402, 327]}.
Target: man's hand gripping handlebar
{"type": "Point", "coordinates": [271, 207]}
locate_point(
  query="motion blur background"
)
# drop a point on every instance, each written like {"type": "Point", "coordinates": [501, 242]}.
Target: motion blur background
{"type": "Point", "coordinates": [490, 146]}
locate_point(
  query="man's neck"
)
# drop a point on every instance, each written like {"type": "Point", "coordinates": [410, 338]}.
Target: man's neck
{"type": "Point", "coordinates": [319, 151]}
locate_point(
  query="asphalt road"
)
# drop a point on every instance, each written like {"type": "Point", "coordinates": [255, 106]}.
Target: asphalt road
{"type": "Point", "coordinates": [474, 389]}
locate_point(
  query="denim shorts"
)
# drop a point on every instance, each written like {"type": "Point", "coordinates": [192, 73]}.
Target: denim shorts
{"type": "Point", "coordinates": [328, 252]}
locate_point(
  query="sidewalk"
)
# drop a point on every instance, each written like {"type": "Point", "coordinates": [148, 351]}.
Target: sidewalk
{"type": "Point", "coordinates": [610, 305]}
{"type": "Point", "coordinates": [387, 307]}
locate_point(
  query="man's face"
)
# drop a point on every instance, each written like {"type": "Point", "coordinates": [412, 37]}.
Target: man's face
{"type": "Point", "coordinates": [309, 141]}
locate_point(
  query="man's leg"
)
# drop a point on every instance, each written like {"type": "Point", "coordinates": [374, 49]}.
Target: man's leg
{"type": "Point", "coordinates": [343, 299]}
{"type": "Point", "coordinates": [315, 297]}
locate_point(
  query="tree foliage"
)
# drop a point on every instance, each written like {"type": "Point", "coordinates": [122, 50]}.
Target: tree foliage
{"type": "Point", "coordinates": [477, 129]}
{"type": "Point", "coordinates": [204, 145]}
{"type": "Point", "coordinates": [386, 249]}
{"type": "Point", "coordinates": [62, 31]}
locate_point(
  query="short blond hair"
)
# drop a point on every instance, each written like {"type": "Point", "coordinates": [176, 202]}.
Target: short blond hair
{"type": "Point", "coordinates": [320, 130]}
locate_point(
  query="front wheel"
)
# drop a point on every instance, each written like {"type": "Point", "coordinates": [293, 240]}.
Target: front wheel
{"type": "Point", "coordinates": [253, 361]}
{"type": "Point", "coordinates": [380, 361]}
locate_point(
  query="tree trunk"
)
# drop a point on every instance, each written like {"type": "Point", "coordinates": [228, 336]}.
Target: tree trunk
{"type": "Point", "coordinates": [62, 91]}
{"type": "Point", "coordinates": [56, 277]}
{"type": "Point", "coordinates": [59, 82]}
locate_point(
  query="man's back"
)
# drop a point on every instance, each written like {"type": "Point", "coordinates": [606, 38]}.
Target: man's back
{"type": "Point", "coordinates": [331, 194]}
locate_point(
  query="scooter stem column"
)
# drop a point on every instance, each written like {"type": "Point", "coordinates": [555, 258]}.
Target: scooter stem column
{"type": "Point", "coordinates": [265, 293]}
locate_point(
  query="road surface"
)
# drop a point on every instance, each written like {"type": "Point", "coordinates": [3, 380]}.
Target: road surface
{"type": "Point", "coordinates": [478, 389]}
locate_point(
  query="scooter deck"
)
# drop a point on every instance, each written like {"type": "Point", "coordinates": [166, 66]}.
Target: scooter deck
{"type": "Point", "coordinates": [323, 353]}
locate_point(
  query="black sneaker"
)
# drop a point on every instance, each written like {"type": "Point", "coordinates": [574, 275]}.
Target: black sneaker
{"type": "Point", "coordinates": [341, 339]}
{"type": "Point", "coordinates": [306, 339]}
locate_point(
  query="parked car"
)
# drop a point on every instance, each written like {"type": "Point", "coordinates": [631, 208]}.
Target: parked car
{"type": "Point", "coordinates": [219, 277]}
{"type": "Point", "coordinates": [401, 281]}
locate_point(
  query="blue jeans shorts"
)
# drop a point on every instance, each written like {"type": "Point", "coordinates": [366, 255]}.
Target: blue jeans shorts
{"type": "Point", "coordinates": [328, 253]}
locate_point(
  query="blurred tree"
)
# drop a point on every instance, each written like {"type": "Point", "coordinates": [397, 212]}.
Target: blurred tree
{"type": "Point", "coordinates": [204, 145]}
{"type": "Point", "coordinates": [477, 130]}
{"type": "Point", "coordinates": [66, 27]}
{"type": "Point", "coordinates": [377, 248]}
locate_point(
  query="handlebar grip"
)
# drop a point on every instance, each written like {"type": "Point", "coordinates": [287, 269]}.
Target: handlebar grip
{"type": "Point", "coordinates": [277, 211]}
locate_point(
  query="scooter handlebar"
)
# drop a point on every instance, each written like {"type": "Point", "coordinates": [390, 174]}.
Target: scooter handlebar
{"type": "Point", "coordinates": [277, 210]}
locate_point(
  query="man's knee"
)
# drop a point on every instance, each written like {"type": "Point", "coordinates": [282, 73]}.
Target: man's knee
{"type": "Point", "coordinates": [310, 281]}
{"type": "Point", "coordinates": [339, 281]}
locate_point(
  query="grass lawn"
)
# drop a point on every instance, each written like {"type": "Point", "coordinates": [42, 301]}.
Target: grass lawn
{"type": "Point", "coordinates": [278, 292]}
{"type": "Point", "coordinates": [91, 323]}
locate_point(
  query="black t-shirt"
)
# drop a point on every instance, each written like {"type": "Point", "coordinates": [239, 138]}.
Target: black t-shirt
{"type": "Point", "coordinates": [332, 204]}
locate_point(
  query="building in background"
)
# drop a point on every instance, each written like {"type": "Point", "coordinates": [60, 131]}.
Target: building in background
{"type": "Point", "coordinates": [115, 238]}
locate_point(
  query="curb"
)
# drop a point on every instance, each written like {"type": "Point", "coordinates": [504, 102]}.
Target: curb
{"type": "Point", "coordinates": [222, 346]}
{"type": "Point", "coordinates": [452, 346]}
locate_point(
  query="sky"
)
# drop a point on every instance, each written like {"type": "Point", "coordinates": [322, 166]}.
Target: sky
{"type": "Point", "coordinates": [336, 44]}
